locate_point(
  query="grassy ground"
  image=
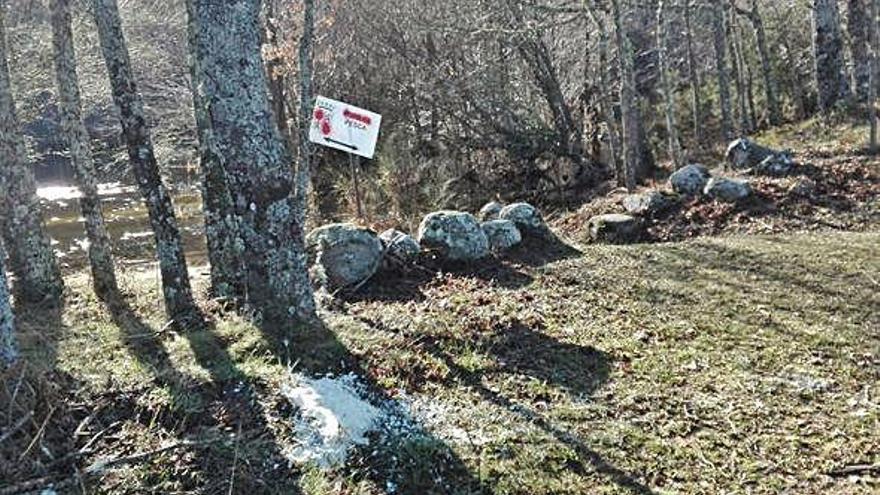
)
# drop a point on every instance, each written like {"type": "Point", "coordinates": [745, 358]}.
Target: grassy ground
{"type": "Point", "coordinates": [730, 365]}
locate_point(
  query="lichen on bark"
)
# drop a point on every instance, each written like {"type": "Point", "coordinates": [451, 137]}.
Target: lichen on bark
{"type": "Point", "coordinates": [31, 259]}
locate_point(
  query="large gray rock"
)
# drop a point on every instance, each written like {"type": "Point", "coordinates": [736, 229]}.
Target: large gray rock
{"type": "Point", "coordinates": [615, 228]}
{"type": "Point", "coordinates": [727, 190]}
{"type": "Point", "coordinates": [502, 234]}
{"type": "Point", "coordinates": [646, 204]}
{"type": "Point", "coordinates": [343, 254]}
{"type": "Point", "coordinates": [526, 217]}
{"type": "Point", "coordinates": [455, 235]}
{"type": "Point", "coordinates": [747, 154]}
{"type": "Point", "coordinates": [400, 246]}
{"type": "Point", "coordinates": [490, 211]}
{"type": "Point", "coordinates": [690, 179]}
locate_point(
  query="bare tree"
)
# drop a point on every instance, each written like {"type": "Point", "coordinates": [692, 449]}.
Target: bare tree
{"type": "Point", "coordinates": [771, 91]}
{"type": "Point", "coordinates": [693, 75]}
{"type": "Point", "coordinates": [830, 67]}
{"type": "Point", "coordinates": [30, 254]}
{"type": "Point", "coordinates": [242, 147]}
{"type": "Point", "coordinates": [630, 112]}
{"type": "Point", "coordinates": [873, 42]}
{"type": "Point", "coordinates": [666, 84]}
{"type": "Point", "coordinates": [100, 257]}
{"type": "Point", "coordinates": [858, 28]}
{"type": "Point", "coordinates": [720, 43]}
{"type": "Point", "coordinates": [179, 305]}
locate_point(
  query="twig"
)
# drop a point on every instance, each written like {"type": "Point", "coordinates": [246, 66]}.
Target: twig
{"type": "Point", "coordinates": [234, 460]}
{"type": "Point", "coordinates": [17, 426]}
{"type": "Point", "coordinates": [38, 435]}
{"type": "Point", "coordinates": [855, 469]}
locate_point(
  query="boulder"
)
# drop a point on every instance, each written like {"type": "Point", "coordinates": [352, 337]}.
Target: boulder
{"type": "Point", "coordinates": [456, 235]}
{"type": "Point", "coordinates": [615, 229]}
{"type": "Point", "coordinates": [527, 219]}
{"type": "Point", "coordinates": [690, 179]}
{"type": "Point", "coordinates": [502, 234]}
{"type": "Point", "coordinates": [399, 246]}
{"type": "Point", "coordinates": [490, 211]}
{"type": "Point", "coordinates": [747, 154]}
{"type": "Point", "coordinates": [727, 190]}
{"type": "Point", "coordinates": [646, 204]}
{"type": "Point", "coordinates": [343, 254]}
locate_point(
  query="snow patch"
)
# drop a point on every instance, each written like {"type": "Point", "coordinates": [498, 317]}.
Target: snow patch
{"type": "Point", "coordinates": [334, 416]}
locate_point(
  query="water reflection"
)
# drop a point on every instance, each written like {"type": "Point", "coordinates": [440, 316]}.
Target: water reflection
{"type": "Point", "coordinates": [127, 223]}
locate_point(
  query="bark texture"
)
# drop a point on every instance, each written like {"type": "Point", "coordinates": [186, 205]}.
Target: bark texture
{"type": "Point", "coordinates": [8, 348]}
{"type": "Point", "coordinates": [630, 111]}
{"type": "Point", "coordinates": [179, 305]}
{"type": "Point", "coordinates": [720, 40]}
{"type": "Point", "coordinates": [249, 183]}
{"type": "Point", "coordinates": [666, 84]}
{"type": "Point", "coordinates": [858, 28]}
{"type": "Point", "coordinates": [831, 79]}
{"type": "Point", "coordinates": [30, 254]}
{"type": "Point", "coordinates": [74, 130]}
{"type": "Point", "coordinates": [771, 88]}
{"type": "Point", "coordinates": [694, 75]}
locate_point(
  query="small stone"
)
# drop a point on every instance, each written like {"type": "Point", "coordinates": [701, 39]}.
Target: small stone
{"type": "Point", "coordinates": [727, 190]}
{"type": "Point", "coordinates": [490, 211]}
{"type": "Point", "coordinates": [502, 234]}
{"type": "Point", "coordinates": [615, 229]}
{"type": "Point", "coordinates": [401, 246]}
{"type": "Point", "coordinates": [527, 219]}
{"type": "Point", "coordinates": [645, 204]}
{"type": "Point", "coordinates": [343, 254]}
{"type": "Point", "coordinates": [690, 179]}
{"type": "Point", "coordinates": [456, 235]}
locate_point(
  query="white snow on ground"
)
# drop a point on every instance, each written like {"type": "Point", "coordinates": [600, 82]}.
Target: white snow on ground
{"type": "Point", "coordinates": [334, 416]}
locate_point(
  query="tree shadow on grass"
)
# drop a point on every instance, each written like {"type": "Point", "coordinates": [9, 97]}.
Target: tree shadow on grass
{"type": "Point", "coordinates": [508, 270]}
{"type": "Point", "coordinates": [415, 462]}
{"type": "Point", "coordinates": [521, 350]}
{"type": "Point", "coordinates": [208, 412]}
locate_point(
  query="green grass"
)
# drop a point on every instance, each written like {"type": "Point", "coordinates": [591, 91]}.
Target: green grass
{"type": "Point", "coordinates": [729, 365]}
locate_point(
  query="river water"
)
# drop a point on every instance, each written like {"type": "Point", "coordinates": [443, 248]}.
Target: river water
{"type": "Point", "coordinates": [127, 224]}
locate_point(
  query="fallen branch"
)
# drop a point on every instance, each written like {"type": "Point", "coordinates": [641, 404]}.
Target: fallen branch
{"type": "Point", "coordinates": [855, 469]}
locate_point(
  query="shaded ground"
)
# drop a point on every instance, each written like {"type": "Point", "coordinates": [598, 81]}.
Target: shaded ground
{"type": "Point", "coordinates": [710, 366]}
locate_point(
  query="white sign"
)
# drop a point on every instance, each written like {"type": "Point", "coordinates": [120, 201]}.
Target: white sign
{"type": "Point", "coordinates": [345, 127]}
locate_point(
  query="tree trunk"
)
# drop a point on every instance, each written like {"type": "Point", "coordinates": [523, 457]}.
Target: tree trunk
{"type": "Point", "coordinates": [246, 161]}
{"type": "Point", "coordinates": [669, 97]}
{"type": "Point", "coordinates": [631, 114]}
{"type": "Point", "coordinates": [306, 100]}
{"type": "Point", "coordinates": [872, 74]}
{"type": "Point", "coordinates": [74, 130]}
{"type": "Point", "coordinates": [21, 222]}
{"type": "Point", "coordinates": [771, 91]}
{"type": "Point", "coordinates": [605, 102]}
{"type": "Point", "coordinates": [694, 76]}
{"type": "Point", "coordinates": [8, 348]}
{"type": "Point", "coordinates": [858, 28]}
{"type": "Point", "coordinates": [831, 79]}
{"type": "Point", "coordinates": [179, 305]}
{"type": "Point", "coordinates": [721, 71]}
{"type": "Point", "coordinates": [737, 62]}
